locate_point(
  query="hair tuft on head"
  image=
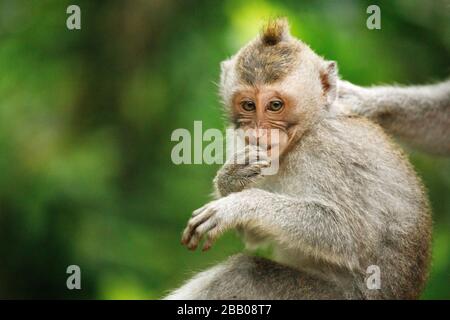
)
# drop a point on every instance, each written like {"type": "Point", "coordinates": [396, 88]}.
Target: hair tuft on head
{"type": "Point", "coordinates": [275, 31]}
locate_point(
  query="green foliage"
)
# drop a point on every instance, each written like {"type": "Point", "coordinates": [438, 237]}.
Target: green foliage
{"type": "Point", "coordinates": [86, 118]}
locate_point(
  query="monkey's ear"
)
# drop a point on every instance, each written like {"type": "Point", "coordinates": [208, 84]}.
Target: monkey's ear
{"type": "Point", "coordinates": [225, 78]}
{"type": "Point", "coordinates": [329, 78]}
{"type": "Point", "coordinates": [225, 65]}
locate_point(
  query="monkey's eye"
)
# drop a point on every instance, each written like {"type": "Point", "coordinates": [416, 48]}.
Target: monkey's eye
{"type": "Point", "coordinates": [248, 105]}
{"type": "Point", "coordinates": [275, 105]}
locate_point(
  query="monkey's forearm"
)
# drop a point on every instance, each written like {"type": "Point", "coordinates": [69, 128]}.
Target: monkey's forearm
{"type": "Point", "coordinates": [311, 225]}
{"type": "Point", "coordinates": [418, 115]}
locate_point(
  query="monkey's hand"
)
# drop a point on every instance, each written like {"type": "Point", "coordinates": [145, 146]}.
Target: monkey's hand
{"type": "Point", "coordinates": [211, 220]}
{"type": "Point", "coordinates": [241, 170]}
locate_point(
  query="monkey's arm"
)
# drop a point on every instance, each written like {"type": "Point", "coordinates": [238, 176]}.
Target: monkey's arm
{"type": "Point", "coordinates": [294, 223]}
{"type": "Point", "coordinates": [418, 115]}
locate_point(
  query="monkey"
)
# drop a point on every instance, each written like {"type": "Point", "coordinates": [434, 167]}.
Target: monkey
{"type": "Point", "coordinates": [344, 198]}
{"type": "Point", "coordinates": [417, 115]}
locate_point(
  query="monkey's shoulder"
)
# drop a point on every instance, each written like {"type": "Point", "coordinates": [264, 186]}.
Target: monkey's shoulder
{"type": "Point", "coordinates": [353, 128]}
{"type": "Point", "coordinates": [355, 134]}
{"type": "Point", "coordinates": [343, 142]}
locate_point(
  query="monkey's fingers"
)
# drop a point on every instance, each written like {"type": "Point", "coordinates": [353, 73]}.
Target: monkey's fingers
{"type": "Point", "coordinates": [213, 234]}
{"type": "Point", "coordinates": [260, 164]}
{"type": "Point", "coordinates": [199, 210]}
{"type": "Point", "coordinates": [199, 232]}
{"type": "Point", "coordinates": [253, 169]}
{"type": "Point", "coordinates": [194, 222]}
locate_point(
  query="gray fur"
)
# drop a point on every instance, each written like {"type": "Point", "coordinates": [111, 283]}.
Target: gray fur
{"type": "Point", "coordinates": [247, 277]}
{"type": "Point", "coordinates": [418, 115]}
{"type": "Point", "coordinates": [345, 197]}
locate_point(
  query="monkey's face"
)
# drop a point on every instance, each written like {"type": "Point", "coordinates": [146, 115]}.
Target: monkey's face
{"type": "Point", "coordinates": [276, 84]}
{"type": "Point", "coordinates": [266, 115]}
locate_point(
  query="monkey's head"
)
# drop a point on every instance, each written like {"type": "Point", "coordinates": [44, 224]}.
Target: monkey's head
{"type": "Point", "coordinates": [277, 82]}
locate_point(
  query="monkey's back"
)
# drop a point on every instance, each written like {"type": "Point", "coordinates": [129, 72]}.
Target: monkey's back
{"type": "Point", "coordinates": [353, 165]}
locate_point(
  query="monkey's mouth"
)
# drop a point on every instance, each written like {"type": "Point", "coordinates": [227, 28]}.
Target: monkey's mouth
{"type": "Point", "coordinates": [272, 150]}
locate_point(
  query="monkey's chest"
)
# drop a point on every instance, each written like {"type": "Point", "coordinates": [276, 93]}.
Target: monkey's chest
{"type": "Point", "coordinates": [282, 184]}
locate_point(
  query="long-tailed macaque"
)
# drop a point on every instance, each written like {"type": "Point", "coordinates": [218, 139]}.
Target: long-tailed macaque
{"type": "Point", "coordinates": [344, 199]}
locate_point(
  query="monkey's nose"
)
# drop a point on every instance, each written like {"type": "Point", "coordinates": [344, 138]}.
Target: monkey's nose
{"type": "Point", "coordinates": [258, 137]}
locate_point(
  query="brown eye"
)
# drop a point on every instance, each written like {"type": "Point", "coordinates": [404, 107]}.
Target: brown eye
{"type": "Point", "coordinates": [275, 105]}
{"type": "Point", "coordinates": [248, 105]}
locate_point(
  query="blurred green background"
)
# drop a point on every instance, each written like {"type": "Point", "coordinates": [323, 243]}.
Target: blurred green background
{"type": "Point", "coordinates": [86, 117]}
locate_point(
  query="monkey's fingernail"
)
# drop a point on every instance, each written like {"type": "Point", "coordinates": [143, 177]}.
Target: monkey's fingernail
{"type": "Point", "coordinates": [206, 247]}
{"type": "Point", "coordinates": [192, 245]}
